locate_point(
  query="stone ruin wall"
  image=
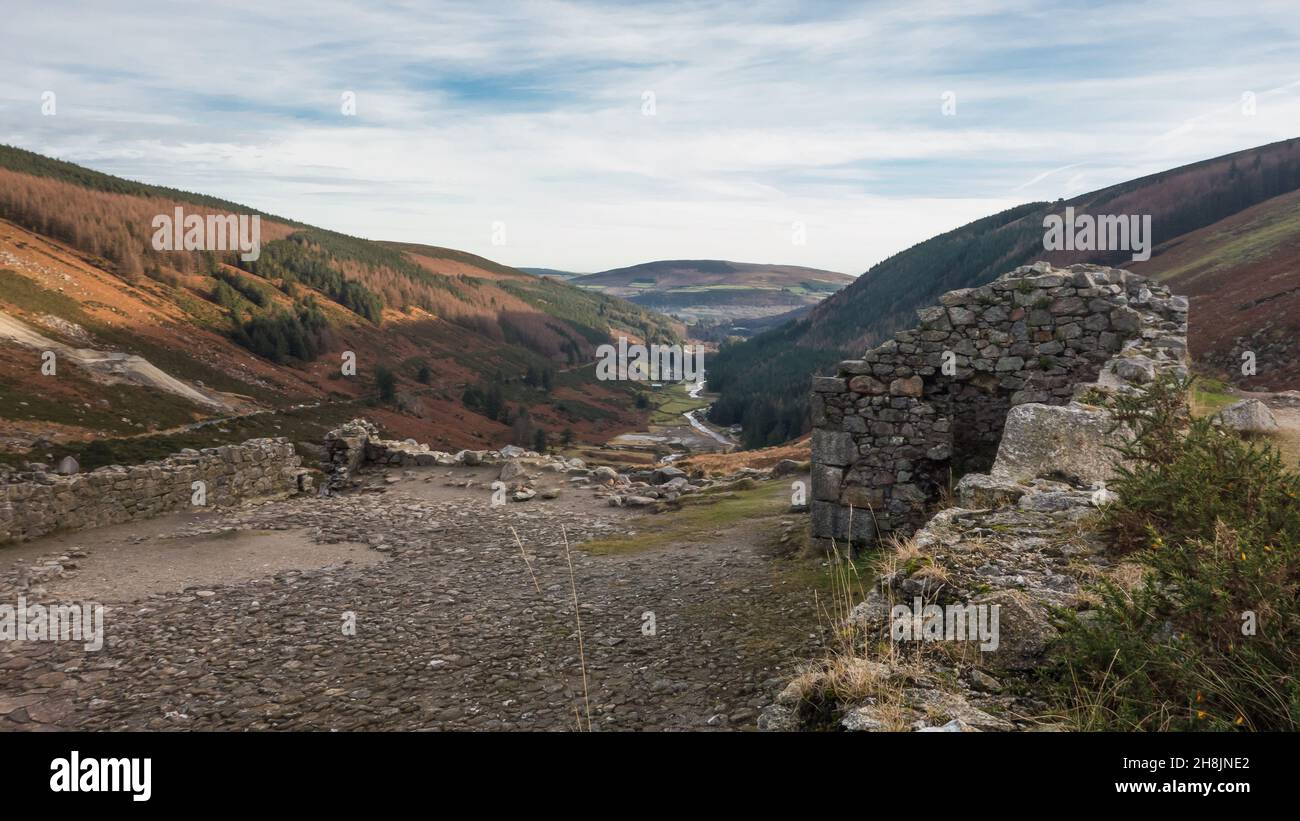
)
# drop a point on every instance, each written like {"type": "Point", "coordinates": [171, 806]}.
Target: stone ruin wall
{"type": "Point", "coordinates": [892, 430]}
{"type": "Point", "coordinates": [357, 444]}
{"type": "Point", "coordinates": [38, 502]}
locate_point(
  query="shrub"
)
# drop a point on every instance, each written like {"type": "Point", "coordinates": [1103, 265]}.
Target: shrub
{"type": "Point", "coordinates": [1210, 636]}
{"type": "Point", "coordinates": [386, 382]}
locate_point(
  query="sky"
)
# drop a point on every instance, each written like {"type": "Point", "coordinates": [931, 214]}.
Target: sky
{"type": "Point", "coordinates": [585, 136]}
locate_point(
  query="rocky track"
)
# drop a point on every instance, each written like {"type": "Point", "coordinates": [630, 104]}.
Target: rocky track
{"type": "Point", "coordinates": [451, 633]}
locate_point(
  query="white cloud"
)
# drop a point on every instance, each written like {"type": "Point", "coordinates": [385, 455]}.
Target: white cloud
{"type": "Point", "coordinates": [530, 113]}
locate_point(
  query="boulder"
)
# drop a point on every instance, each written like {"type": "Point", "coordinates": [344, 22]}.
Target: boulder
{"type": "Point", "coordinates": [1070, 442]}
{"type": "Point", "coordinates": [667, 473]}
{"type": "Point", "coordinates": [1024, 631]}
{"type": "Point", "coordinates": [786, 467]}
{"type": "Point", "coordinates": [1248, 416]}
{"type": "Point", "coordinates": [1138, 370]}
{"type": "Point", "coordinates": [511, 470]}
{"type": "Point", "coordinates": [979, 490]}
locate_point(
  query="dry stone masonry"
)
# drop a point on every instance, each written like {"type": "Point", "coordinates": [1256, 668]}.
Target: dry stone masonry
{"type": "Point", "coordinates": [1020, 537]}
{"type": "Point", "coordinates": [38, 501]}
{"type": "Point", "coordinates": [895, 428]}
{"type": "Point", "coordinates": [357, 445]}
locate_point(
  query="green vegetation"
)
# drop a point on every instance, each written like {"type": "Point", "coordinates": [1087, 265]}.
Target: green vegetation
{"type": "Point", "coordinates": [25, 294]}
{"type": "Point", "coordinates": [580, 411]}
{"type": "Point", "coordinates": [1209, 396]}
{"type": "Point", "coordinates": [1210, 636]}
{"type": "Point", "coordinates": [700, 516]}
{"type": "Point", "coordinates": [595, 317]}
{"type": "Point", "coordinates": [670, 402]}
{"type": "Point", "coordinates": [305, 257]}
{"type": "Point", "coordinates": [122, 409]}
{"type": "Point", "coordinates": [385, 383]}
{"type": "Point", "coordinates": [281, 335]}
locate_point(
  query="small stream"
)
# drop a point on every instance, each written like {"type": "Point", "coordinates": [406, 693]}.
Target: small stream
{"type": "Point", "coordinates": [691, 417]}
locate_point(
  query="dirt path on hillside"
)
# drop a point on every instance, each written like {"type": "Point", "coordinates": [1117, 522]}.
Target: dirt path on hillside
{"type": "Point", "coordinates": [239, 618]}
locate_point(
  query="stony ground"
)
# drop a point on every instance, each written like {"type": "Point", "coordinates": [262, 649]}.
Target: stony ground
{"type": "Point", "coordinates": [451, 632]}
{"type": "Point", "coordinates": [1028, 549]}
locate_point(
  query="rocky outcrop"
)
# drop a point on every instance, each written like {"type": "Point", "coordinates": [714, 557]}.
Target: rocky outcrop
{"type": "Point", "coordinates": [890, 429]}
{"type": "Point", "coordinates": [37, 502]}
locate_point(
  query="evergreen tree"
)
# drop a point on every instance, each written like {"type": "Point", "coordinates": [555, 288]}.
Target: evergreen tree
{"type": "Point", "coordinates": [386, 381]}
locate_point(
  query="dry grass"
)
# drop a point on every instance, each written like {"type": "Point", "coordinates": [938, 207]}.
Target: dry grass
{"type": "Point", "coordinates": [577, 618]}
{"type": "Point", "coordinates": [855, 671]}
{"type": "Point", "coordinates": [900, 554]}
{"type": "Point", "coordinates": [720, 464]}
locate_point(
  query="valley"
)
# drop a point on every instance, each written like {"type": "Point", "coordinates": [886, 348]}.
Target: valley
{"type": "Point", "coordinates": [465, 523]}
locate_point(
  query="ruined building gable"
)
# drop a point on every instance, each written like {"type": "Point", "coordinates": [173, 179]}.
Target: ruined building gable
{"type": "Point", "coordinates": [896, 428]}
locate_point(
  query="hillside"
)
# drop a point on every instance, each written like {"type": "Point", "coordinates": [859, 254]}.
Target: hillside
{"type": "Point", "coordinates": [450, 347]}
{"type": "Point", "coordinates": [1243, 276]}
{"type": "Point", "coordinates": [551, 272]}
{"type": "Point", "coordinates": [717, 290]}
{"type": "Point", "coordinates": [764, 381]}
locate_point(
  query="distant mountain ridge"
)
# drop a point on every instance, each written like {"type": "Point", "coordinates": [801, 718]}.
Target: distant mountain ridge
{"type": "Point", "coordinates": [764, 380]}
{"type": "Point", "coordinates": [717, 290]}
{"type": "Point", "coordinates": [551, 272]}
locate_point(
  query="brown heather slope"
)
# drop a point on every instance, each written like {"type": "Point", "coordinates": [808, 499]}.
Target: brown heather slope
{"type": "Point", "coordinates": [77, 267]}
{"type": "Point", "coordinates": [1242, 275]}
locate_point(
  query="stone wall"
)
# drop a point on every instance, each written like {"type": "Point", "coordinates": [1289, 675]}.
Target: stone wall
{"type": "Point", "coordinates": [356, 444]}
{"type": "Point", "coordinates": [896, 428]}
{"type": "Point", "coordinates": [37, 502]}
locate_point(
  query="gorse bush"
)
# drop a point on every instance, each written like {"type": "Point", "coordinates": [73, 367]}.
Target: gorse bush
{"type": "Point", "coordinates": [1210, 636]}
{"type": "Point", "coordinates": [1183, 475]}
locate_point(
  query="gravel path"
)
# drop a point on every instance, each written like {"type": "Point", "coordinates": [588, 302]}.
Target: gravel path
{"type": "Point", "coordinates": [450, 631]}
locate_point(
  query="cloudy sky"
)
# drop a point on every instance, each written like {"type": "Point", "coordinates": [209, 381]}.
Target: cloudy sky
{"type": "Point", "coordinates": [537, 117]}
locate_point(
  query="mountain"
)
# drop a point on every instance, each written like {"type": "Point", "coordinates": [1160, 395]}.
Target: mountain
{"type": "Point", "coordinates": [551, 272]}
{"type": "Point", "coordinates": [152, 346]}
{"type": "Point", "coordinates": [1226, 235]}
{"type": "Point", "coordinates": [717, 290]}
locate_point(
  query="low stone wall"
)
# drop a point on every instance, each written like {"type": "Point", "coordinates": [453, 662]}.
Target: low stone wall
{"type": "Point", "coordinates": [35, 503]}
{"type": "Point", "coordinates": [893, 429]}
{"type": "Point", "coordinates": [356, 445]}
